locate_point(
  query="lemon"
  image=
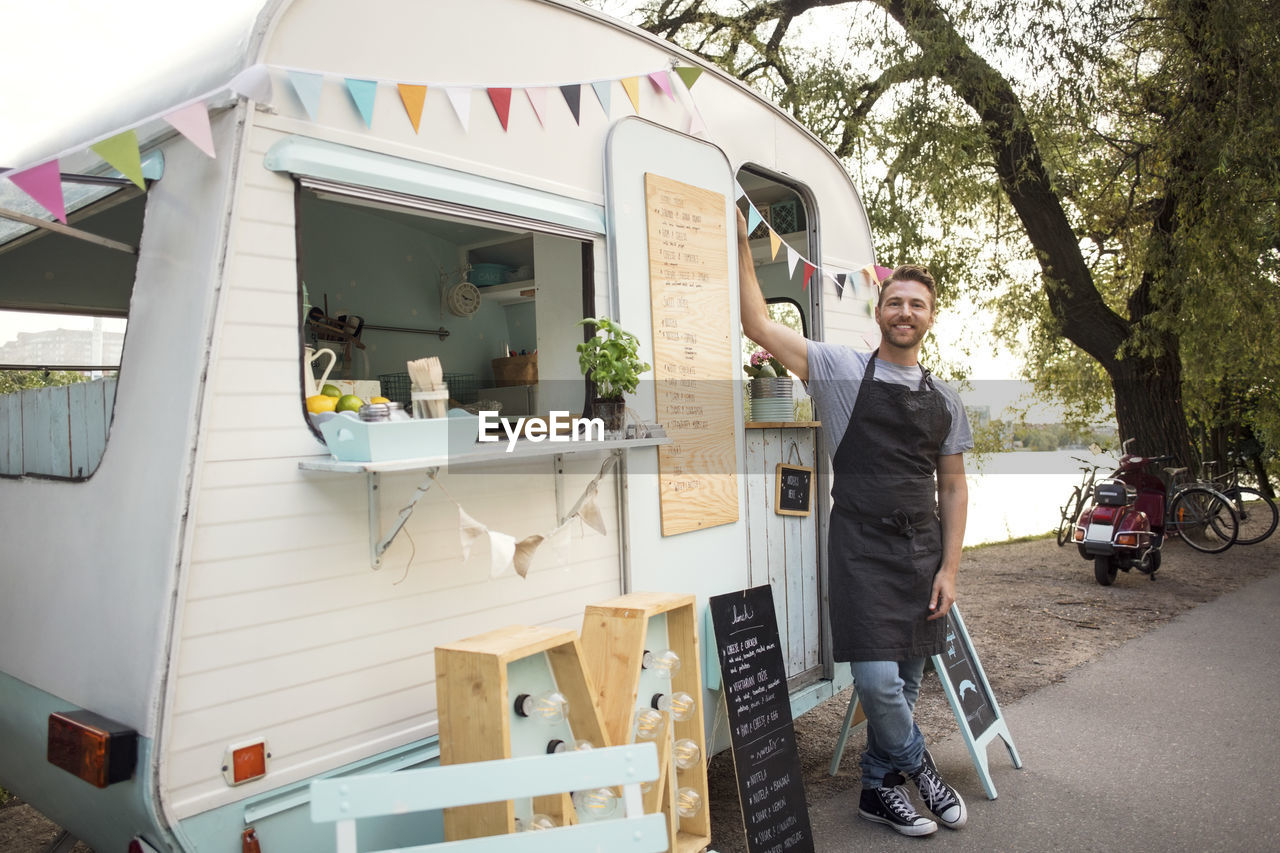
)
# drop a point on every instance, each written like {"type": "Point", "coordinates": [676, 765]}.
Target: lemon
{"type": "Point", "coordinates": [349, 403]}
{"type": "Point", "coordinates": [331, 391]}
{"type": "Point", "coordinates": [379, 400]}
{"type": "Point", "coordinates": [318, 403]}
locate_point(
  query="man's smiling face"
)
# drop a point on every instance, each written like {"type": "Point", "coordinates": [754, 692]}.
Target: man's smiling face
{"type": "Point", "coordinates": [905, 314]}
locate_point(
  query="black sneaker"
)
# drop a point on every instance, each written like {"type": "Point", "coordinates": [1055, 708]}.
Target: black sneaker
{"type": "Point", "coordinates": [939, 797]}
{"type": "Point", "coordinates": [890, 806]}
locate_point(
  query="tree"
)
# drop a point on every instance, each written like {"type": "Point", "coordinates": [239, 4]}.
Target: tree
{"type": "Point", "coordinates": [19, 380]}
{"type": "Point", "coordinates": [1132, 143]}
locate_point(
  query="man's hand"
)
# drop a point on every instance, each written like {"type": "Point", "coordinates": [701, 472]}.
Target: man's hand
{"type": "Point", "coordinates": [944, 594]}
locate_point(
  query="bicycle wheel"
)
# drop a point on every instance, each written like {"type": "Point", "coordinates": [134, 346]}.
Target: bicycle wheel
{"type": "Point", "coordinates": [1257, 514]}
{"type": "Point", "coordinates": [1203, 519]}
{"type": "Point", "coordinates": [1070, 512]}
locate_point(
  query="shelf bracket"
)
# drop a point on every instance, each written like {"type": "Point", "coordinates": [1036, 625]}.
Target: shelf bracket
{"type": "Point", "coordinates": [378, 546]}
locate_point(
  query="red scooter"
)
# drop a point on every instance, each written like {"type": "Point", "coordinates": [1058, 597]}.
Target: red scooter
{"type": "Point", "coordinates": [1124, 528]}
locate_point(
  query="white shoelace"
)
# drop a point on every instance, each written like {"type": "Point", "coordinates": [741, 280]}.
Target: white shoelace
{"type": "Point", "coordinates": [932, 789]}
{"type": "Point", "coordinates": [896, 799]}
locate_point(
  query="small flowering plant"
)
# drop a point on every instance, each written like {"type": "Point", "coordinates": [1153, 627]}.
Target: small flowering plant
{"type": "Point", "coordinates": [763, 364]}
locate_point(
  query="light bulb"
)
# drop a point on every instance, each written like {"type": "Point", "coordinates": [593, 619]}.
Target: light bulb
{"type": "Point", "coordinates": [688, 802]}
{"type": "Point", "coordinates": [680, 705]}
{"type": "Point", "coordinates": [595, 803]}
{"type": "Point", "coordinates": [560, 746]}
{"type": "Point", "coordinates": [663, 663]}
{"type": "Point", "coordinates": [551, 706]}
{"type": "Point", "coordinates": [535, 823]}
{"type": "Point", "coordinates": [648, 724]}
{"type": "Point", "coordinates": [687, 753]}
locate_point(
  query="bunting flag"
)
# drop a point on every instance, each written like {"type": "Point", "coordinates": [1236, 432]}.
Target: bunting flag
{"type": "Point", "coordinates": [44, 184]}
{"type": "Point", "coordinates": [192, 121]}
{"type": "Point", "coordinates": [662, 82]}
{"type": "Point", "coordinates": [573, 97]}
{"type": "Point", "coordinates": [121, 151]}
{"type": "Point", "coordinates": [737, 187]}
{"type": "Point", "coordinates": [688, 75]}
{"type": "Point", "coordinates": [754, 219]}
{"type": "Point", "coordinates": [460, 97]}
{"type": "Point", "coordinates": [502, 552]}
{"type": "Point", "coordinates": [413, 97]}
{"type": "Point", "coordinates": [839, 281]}
{"type": "Point", "coordinates": [775, 243]}
{"type": "Point", "coordinates": [631, 85]}
{"type": "Point", "coordinates": [363, 93]}
{"type": "Point", "coordinates": [590, 511]}
{"type": "Point", "coordinates": [538, 100]}
{"type": "Point", "coordinates": [307, 86]}
{"type": "Point", "coordinates": [603, 92]}
{"type": "Point", "coordinates": [501, 99]}
{"type": "Point", "coordinates": [808, 274]}
{"type": "Point", "coordinates": [792, 258]}
{"type": "Point", "coordinates": [525, 550]}
{"type": "Point", "coordinates": [253, 83]}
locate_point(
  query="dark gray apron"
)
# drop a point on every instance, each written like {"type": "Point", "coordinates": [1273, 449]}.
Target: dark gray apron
{"type": "Point", "coordinates": [885, 544]}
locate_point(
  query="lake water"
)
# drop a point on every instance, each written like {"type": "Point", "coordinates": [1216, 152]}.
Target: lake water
{"type": "Point", "coordinates": [1021, 493]}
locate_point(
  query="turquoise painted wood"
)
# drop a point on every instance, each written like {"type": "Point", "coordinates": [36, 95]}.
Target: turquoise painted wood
{"type": "Point", "coordinates": [56, 432]}
{"type": "Point", "coordinates": [345, 800]}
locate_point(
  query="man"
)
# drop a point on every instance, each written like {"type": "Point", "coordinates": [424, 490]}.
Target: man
{"type": "Point", "coordinates": [897, 440]}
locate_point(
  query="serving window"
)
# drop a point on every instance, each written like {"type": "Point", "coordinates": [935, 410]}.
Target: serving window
{"type": "Point", "coordinates": [495, 298]}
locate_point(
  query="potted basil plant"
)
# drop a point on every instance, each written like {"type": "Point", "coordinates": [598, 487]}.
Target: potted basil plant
{"type": "Point", "coordinates": [611, 360]}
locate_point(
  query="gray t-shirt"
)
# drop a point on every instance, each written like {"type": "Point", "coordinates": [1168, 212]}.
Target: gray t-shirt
{"type": "Point", "coordinates": [835, 374]}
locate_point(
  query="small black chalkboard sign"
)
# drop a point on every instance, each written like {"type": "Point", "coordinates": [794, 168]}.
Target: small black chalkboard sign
{"type": "Point", "coordinates": [765, 759]}
{"type": "Point", "coordinates": [792, 491]}
{"type": "Point", "coordinates": [964, 673]}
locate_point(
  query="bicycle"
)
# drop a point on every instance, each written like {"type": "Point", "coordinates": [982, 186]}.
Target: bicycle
{"type": "Point", "coordinates": [1080, 495]}
{"type": "Point", "coordinates": [1199, 514]}
{"type": "Point", "coordinates": [1256, 512]}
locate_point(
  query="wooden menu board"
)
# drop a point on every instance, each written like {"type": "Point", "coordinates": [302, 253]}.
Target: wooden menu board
{"type": "Point", "coordinates": [692, 354]}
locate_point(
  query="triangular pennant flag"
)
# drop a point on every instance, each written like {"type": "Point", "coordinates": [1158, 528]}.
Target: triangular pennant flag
{"type": "Point", "coordinates": [840, 280]}
{"type": "Point", "coordinates": [44, 184]}
{"type": "Point", "coordinates": [560, 541]}
{"type": "Point", "coordinates": [869, 275]}
{"type": "Point", "coordinates": [689, 75]}
{"type": "Point", "coordinates": [538, 100]}
{"type": "Point", "coordinates": [525, 549]}
{"type": "Point", "coordinates": [696, 123]}
{"type": "Point", "coordinates": [254, 83]}
{"type": "Point", "coordinates": [662, 82]}
{"type": "Point", "coordinates": [792, 257]}
{"type": "Point", "coordinates": [121, 151]}
{"type": "Point", "coordinates": [808, 274]}
{"type": "Point", "coordinates": [573, 97]}
{"type": "Point", "coordinates": [192, 121]}
{"type": "Point", "coordinates": [882, 273]}
{"type": "Point", "coordinates": [775, 243]}
{"type": "Point", "coordinates": [501, 99]}
{"type": "Point", "coordinates": [604, 91]}
{"type": "Point", "coordinates": [460, 97]}
{"type": "Point", "coordinates": [631, 85]}
{"type": "Point", "coordinates": [306, 85]}
{"type": "Point", "coordinates": [413, 97]}
{"type": "Point", "coordinates": [502, 550]}
{"type": "Point", "coordinates": [590, 513]}
{"type": "Point", "coordinates": [469, 530]}
{"type": "Point", "coordinates": [363, 93]}
{"type": "Point", "coordinates": [740, 192]}
{"type": "Point", "coordinates": [753, 218]}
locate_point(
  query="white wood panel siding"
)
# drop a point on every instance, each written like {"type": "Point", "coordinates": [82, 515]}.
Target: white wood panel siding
{"type": "Point", "coordinates": [286, 632]}
{"type": "Point", "coordinates": [783, 548]}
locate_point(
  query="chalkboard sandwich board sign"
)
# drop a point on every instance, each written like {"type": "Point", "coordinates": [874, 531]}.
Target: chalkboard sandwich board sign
{"type": "Point", "coordinates": [793, 490]}
{"type": "Point", "coordinates": [762, 736]}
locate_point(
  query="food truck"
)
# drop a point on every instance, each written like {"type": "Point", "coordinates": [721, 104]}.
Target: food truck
{"type": "Point", "coordinates": [334, 191]}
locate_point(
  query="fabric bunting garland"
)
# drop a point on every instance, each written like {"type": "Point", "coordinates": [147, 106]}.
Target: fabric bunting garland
{"type": "Point", "coordinates": [506, 552]}
{"type": "Point", "coordinates": [872, 274]}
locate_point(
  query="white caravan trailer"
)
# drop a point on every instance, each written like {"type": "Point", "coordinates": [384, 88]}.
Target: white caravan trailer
{"type": "Point", "coordinates": [183, 556]}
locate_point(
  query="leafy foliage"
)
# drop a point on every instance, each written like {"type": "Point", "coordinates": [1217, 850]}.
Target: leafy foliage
{"type": "Point", "coordinates": [20, 380]}
{"type": "Point", "coordinates": [611, 359]}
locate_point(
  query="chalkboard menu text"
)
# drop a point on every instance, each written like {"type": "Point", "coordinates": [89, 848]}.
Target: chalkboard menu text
{"type": "Point", "coordinates": [761, 733]}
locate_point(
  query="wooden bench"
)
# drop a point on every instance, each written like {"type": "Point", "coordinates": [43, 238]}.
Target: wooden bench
{"type": "Point", "coordinates": [345, 800]}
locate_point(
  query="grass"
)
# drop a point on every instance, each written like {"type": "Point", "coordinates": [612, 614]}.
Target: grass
{"type": "Point", "coordinates": [1034, 537]}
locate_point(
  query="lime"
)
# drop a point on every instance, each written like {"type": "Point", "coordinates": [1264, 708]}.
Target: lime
{"type": "Point", "coordinates": [331, 391]}
{"type": "Point", "coordinates": [349, 403]}
{"type": "Point", "coordinates": [318, 403]}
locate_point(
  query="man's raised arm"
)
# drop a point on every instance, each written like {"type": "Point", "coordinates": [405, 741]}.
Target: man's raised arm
{"type": "Point", "coordinates": [784, 343]}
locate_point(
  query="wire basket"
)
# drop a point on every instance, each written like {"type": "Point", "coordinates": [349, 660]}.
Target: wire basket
{"type": "Point", "coordinates": [463, 387]}
{"type": "Point", "coordinates": [396, 387]}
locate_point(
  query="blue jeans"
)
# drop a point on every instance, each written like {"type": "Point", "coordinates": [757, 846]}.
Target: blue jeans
{"type": "Point", "coordinates": [888, 692]}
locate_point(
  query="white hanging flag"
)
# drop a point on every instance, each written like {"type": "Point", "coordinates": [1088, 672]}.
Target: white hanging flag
{"type": "Point", "coordinates": [192, 121]}
{"type": "Point", "coordinates": [460, 97]}
{"type": "Point", "coordinates": [792, 260]}
{"type": "Point", "coordinates": [590, 513]}
{"type": "Point", "coordinates": [525, 549]}
{"type": "Point", "coordinates": [502, 550]}
{"type": "Point", "coordinates": [469, 531]}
